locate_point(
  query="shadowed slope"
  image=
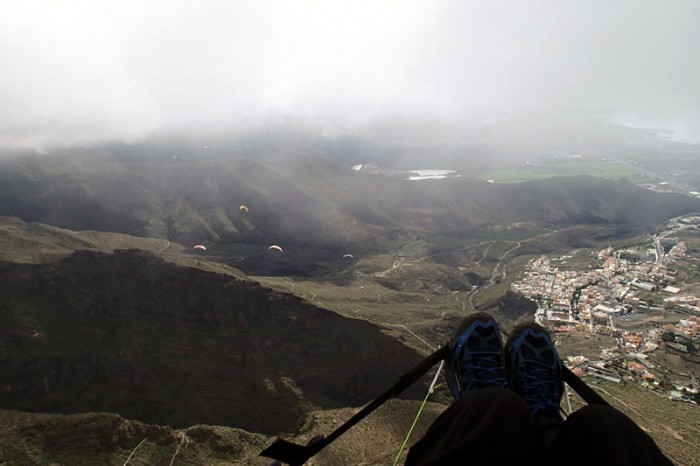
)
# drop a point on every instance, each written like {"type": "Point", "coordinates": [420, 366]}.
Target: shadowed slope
{"type": "Point", "coordinates": [180, 346]}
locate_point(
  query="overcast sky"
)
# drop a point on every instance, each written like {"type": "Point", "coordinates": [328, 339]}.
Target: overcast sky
{"type": "Point", "coordinates": [80, 69]}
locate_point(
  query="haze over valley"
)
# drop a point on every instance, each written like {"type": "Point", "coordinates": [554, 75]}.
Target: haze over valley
{"type": "Point", "coordinates": [225, 221]}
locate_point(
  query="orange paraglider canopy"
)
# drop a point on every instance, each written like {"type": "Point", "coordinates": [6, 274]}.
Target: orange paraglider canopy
{"type": "Point", "coordinates": [199, 246]}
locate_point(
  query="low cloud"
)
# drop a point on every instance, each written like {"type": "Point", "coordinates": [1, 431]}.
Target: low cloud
{"type": "Point", "coordinates": [82, 70]}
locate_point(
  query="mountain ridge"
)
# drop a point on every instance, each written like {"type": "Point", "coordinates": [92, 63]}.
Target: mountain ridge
{"type": "Point", "coordinates": [303, 201]}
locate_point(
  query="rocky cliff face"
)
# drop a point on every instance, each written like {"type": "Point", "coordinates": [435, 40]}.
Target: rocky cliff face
{"type": "Point", "coordinates": [150, 340]}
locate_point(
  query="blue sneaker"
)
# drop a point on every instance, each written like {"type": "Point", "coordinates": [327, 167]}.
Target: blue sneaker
{"type": "Point", "coordinates": [475, 356]}
{"type": "Point", "coordinates": [534, 370]}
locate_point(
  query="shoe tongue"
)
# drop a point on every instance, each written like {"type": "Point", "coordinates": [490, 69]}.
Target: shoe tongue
{"type": "Point", "coordinates": [528, 352]}
{"type": "Point", "coordinates": [487, 341]}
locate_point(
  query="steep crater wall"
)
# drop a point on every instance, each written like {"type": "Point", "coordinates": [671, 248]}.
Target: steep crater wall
{"type": "Point", "coordinates": [153, 341]}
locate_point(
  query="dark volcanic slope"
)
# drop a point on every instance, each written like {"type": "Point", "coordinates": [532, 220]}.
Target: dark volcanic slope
{"type": "Point", "coordinates": [133, 334]}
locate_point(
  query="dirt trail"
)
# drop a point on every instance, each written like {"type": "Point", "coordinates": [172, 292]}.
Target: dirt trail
{"type": "Point", "coordinates": [461, 301]}
{"type": "Point", "coordinates": [396, 264]}
{"type": "Point", "coordinates": [433, 348]}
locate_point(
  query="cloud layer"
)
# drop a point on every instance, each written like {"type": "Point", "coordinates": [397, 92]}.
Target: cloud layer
{"type": "Point", "coordinates": [76, 70]}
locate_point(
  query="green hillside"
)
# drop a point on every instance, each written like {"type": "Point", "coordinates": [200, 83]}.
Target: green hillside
{"type": "Point", "coordinates": [308, 200]}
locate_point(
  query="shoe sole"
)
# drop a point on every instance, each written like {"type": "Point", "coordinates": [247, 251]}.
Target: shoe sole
{"type": "Point", "coordinates": [456, 343]}
{"type": "Point", "coordinates": [515, 335]}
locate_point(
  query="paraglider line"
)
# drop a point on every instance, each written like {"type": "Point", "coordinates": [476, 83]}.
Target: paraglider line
{"type": "Point", "coordinates": [431, 390]}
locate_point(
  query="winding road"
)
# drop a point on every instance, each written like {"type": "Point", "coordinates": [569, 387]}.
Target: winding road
{"type": "Point", "coordinates": [494, 274]}
{"type": "Point", "coordinates": [500, 264]}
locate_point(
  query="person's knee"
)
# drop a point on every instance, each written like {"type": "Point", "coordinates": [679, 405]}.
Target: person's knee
{"type": "Point", "coordinates": [617, 440]}
{"type": "Point", "coordinates": [495, 403]}
{"type": "Point", "coordinates": [600, 417]}
{"type": "Point", "coordinates": [488, 424]}
{"type": "Point", "coordinates": [499, 398]}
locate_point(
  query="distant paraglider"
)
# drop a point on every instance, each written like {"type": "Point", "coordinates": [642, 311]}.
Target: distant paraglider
{"type": "Point", "coordinates": [199, 246]}
{"type": "Point", "coordinates": [243, 208]}
{"type": "Point", "coordinates": [348, 256]}
{"type": "Point", "coordinates": [274, 247]}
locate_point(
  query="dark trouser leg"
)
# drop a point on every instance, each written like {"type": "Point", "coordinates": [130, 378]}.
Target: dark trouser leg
{"type": "Point", "coordinates": [489, 427]}
{"type": "Point", "coordinates": [601, 435]}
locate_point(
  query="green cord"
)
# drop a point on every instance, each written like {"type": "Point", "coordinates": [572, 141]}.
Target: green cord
{"type": "Point", "coordinates": [415, 421]}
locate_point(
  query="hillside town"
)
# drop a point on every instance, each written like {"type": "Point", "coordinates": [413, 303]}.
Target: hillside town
{"type": "Point", "coordinates": [635, 296]}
